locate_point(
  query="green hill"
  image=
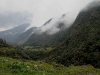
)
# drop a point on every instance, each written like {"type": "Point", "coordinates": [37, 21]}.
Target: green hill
{"type": "Point", "coordinates": [9, 66]}
{"type": "Point", "coordinates": [77, 54]}
{"type": "Point", "coordinates": [82, 45]}
{"type": "Point", "coordinates": [24, 36]}
{"type": "Point", "coordinates": [45, 39]}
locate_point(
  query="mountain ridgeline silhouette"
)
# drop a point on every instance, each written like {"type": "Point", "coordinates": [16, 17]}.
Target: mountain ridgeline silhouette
{"type": "Point", "coordinates": [24, 36]}
{"type": "Point", "coordinates": [11, 34]}
{"type": "Point", "coordinates": [51, 33]}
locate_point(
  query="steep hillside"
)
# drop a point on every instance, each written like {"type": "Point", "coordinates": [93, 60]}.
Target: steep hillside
{"type": "Point", "coordinates": [82, 45]}
{"type": "Point", "coordinates": [44, 40]}
{"type": "Point", "coordinates": [11, 34]}
{"type": "Point", "coordinates": [51, 33]}
{"type": "Point", "coordinates": [23, 37]}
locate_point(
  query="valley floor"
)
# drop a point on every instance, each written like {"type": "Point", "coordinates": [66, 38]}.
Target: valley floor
{"type": "Point", "coordinates": [10, 66]}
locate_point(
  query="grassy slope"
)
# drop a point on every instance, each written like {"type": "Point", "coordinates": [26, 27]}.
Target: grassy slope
{"type": "Point", "coordinates": [9, 66]}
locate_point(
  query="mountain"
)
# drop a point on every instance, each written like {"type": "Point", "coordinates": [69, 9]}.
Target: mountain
{"type": "Point", "coordinates": [48, 22]}
{"type": "Point", "coordinates": [23, 37]}
{"type": "Point", "coordinates": [50, 34]}
{"type": "Point", "coordinates": [11, 34]}
{"type": "Point", "coordinates": [82, 44]}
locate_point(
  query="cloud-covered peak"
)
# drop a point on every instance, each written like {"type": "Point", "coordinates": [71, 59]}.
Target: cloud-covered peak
{"type": "Point", "coordinates": [41, 10]}
{"type": "Point", "coordinates": [11, 19]}
{"type": "Point", "coordinates": [56, 24]}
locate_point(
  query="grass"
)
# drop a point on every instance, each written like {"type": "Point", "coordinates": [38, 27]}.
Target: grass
{"type": "Point", "coordinates": [38, 48]}
{"type": "Point", "coordinates": [6, 48]}
{"type": "Point", "coordinates": [10, 66]}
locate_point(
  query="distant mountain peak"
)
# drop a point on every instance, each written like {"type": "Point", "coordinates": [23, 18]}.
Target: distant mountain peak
{"type": "Point", "coordinates": [11, 34]}
{"type": "Point", "coordinates": [48, 21]}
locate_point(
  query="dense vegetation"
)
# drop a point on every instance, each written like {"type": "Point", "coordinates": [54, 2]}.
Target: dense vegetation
{"type": "Point", "coordinates": [10, 51]}
{"type": "Point", "coordinates": [46, 40]}
{"type": "Point", "coordinates": [82, 45]}
{"type": "Point", "coordinates": [3, 43]}
{"type": "Point", "coordinates": [21, 64]}
{"type": "Point", "coordinates": [23, 37]}
{"type": "Point", "coordinates": [9, 66]}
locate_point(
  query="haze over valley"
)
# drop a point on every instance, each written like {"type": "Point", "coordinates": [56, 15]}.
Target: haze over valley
{"type": "Point", "coordinates": [50, 37]}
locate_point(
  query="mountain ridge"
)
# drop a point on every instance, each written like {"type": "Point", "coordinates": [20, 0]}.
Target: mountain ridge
{"type": "Point", "coordinates": [82, 45]}
{"type": "Point", "coordinates": [11, 34]}
{"type": "Point", "coordinates": [49, 36]}
{"type": "Point", "coordinates": [24, 36]}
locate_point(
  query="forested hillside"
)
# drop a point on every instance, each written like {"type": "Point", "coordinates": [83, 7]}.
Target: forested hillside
{"type": "Point", "coordinates": [24, 36]}
{"type": "Point", "coordinates": [46, 37]}
{"type": "Point", "coordinates": [82, 45]}
{"type": "Point", "coordinates": [63, 45]}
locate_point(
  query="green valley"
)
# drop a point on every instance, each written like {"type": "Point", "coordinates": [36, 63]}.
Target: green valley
{"type": "Point", "coordinates": [63, 49]}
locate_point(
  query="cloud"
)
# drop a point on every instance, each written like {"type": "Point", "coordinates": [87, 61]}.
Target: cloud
{"type": "Point", "coordinates": [92, 4]}
{"type": "Point", "coordinates": [41, 10]}
{"type": "Point", "coordinates": [66, 19]}
{"type": "Point", "coordinates": [9, 20]}
{"type": "Point", "coordinates": [58, 23]}
{"type": "Point", "coordinates": [53, 8]}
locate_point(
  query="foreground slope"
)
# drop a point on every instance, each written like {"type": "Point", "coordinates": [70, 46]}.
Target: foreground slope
{"type": "Point", "coordinates": [82, 45]}
{"type": "Point", "coordinates": [9, 66]}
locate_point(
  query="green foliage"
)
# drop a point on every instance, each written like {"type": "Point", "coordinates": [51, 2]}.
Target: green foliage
{"type": "Point", "coordinates": [23, 37]}
{"type": "Point", "coordinates": [36, 55]}
{"type": "Point", "coordinates": [3, 43]}
{"type": "Point", "coordinates": [10, 51]}
{"type": "Point", "coordinates": [82, 45]}
{"type": "Point", "coordinates": [45, 40]}
{"type": "Point", "coordinates": [9, 66]}
{"type": "Point", "coordinates": [16, 65]}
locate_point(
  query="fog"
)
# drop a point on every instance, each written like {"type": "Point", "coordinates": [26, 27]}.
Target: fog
{"type": "Point", "coordinates": [10, 20]}
{"type": "Point", "coordinates": [91, 5]}
{"type": "Point", "coordinates": [56, 24]}
{"type": "Point", "coordinates": [37, 12]}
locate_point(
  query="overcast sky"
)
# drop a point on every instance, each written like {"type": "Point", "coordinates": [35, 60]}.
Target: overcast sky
{"type": "Point", "coordinates": [36, 12]}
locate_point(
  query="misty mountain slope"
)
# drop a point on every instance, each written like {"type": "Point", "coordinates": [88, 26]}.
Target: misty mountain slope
{"type": "Point", "coordinates": [45, 40]}
{"type": "Point", "coordinates": [49, 35]}
{"type": "Point", "coordinates": [11, 34]}
{"type": "Point", "coordinates": [82, 45]}
{"type": "Point", "coordinates": [23, 37]}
